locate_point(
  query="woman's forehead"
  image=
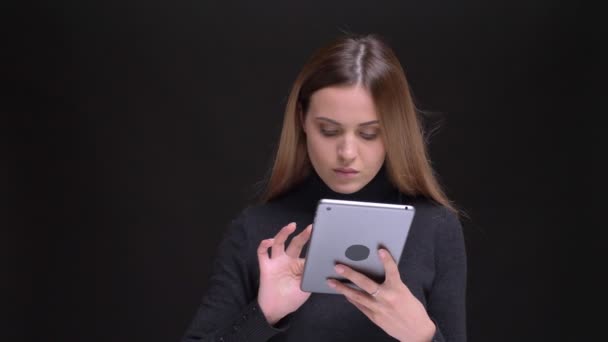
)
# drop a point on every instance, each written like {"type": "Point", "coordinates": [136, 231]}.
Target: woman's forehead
{"type": "Point", "coordinates": [343, 105]}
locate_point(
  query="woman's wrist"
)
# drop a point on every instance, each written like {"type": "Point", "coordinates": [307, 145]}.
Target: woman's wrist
{"type": "Point", "coordinates": [428, 332]}
{"type": "Point", "coordinates": [430, 329]}
{"type": "Point", "coordinates": [271, 317]}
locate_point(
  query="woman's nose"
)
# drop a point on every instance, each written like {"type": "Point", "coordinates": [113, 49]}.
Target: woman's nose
{"type": "Point", "coordinates": [347, 149]}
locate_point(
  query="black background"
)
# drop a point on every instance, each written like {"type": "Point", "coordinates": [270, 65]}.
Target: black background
{"type": "Point", "coordinates": [134, 130]}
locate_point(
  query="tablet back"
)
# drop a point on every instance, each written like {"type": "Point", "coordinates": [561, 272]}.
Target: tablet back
{"type": "Point", "coordinates": [350, 233]}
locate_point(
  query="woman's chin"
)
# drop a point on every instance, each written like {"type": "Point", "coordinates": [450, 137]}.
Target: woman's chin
{"type": "Point", "coordinates": [346, 189]}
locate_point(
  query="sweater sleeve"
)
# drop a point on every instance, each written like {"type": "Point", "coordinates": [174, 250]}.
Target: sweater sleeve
{"type": "Point", "coordinates": [229, 310]}
{"type": "Point", "coordinates": [447, 302]}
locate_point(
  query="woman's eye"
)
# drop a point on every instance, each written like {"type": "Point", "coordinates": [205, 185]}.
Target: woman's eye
{"type": "Point", "coordinates": [329, 132]}
{"type": "Point", "coordinates": [368, 135]}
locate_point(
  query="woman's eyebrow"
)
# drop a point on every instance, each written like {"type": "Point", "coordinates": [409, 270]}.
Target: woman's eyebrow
{"type": "Point", "coordinates": [322, 118]}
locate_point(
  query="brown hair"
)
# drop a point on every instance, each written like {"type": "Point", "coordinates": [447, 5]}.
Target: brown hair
{"type": "Point", "coordinates": [368, 61]}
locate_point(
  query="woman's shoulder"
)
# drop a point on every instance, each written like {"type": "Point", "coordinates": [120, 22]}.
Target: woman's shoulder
{"type": "Point", "coordinates": [431, 212]}
{"type": "Point", "coordinates": [262, 210]}
{"type": "Point", "coordinates": [265, 219]}
{"type": "Point", "coordinates": [438, 225]}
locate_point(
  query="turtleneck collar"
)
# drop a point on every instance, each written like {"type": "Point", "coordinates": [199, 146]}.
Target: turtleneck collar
{"type": "Point", "coordinates": [379, 189]}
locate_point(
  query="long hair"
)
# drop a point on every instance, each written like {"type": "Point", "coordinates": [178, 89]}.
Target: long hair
{"type": "Point", "coordinates": [370, 62]}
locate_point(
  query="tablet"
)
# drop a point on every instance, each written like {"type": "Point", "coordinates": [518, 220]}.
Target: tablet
{"type": "Point", "coordinates": [350, 233]}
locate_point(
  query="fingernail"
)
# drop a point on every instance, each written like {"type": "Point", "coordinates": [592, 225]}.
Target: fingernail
{"type": "Point", "coordinates": [339, 269]}
{"type": "Point", "coordinates": [331, 284]}
{"type": "Point", "coordinates": [382, 253]}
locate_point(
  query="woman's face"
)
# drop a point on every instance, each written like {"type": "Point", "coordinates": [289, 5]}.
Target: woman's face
{"type": "Point", "coordinates": [343, 137]}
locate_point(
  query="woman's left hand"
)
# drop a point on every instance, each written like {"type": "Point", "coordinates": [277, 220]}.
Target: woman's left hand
{"type": "Point", "coordinates": [389, 305]}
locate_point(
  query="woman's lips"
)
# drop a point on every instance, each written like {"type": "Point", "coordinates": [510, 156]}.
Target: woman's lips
{"type": "Point", "coordinates": [346, 172]}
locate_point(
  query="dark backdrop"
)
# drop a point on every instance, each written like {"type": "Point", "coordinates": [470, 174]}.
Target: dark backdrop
{"type": "Point", "coordinates": [136, 130]}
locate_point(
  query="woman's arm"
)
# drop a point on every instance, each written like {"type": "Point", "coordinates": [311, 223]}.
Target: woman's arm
{"type": "Point", "coordinates": [229, 310]}
{"type": "Point", "coordinates": [447, 298]}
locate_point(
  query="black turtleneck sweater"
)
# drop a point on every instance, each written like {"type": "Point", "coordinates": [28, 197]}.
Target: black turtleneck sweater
{"type": "Point", "coordinates": [433, 266]}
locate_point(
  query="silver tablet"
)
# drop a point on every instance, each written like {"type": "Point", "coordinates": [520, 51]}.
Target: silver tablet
{"type": "Point", "coordinates": [350, 233]}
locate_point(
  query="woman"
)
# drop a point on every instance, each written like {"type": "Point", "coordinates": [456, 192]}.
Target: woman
{"type": "Point", "coordinates": [350, 132]}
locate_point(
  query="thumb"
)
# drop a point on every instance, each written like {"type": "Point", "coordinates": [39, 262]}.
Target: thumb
{"type": "Point", "coordinates": [299, 266]}
{"type": "Point", "coordinates": [390, 266]}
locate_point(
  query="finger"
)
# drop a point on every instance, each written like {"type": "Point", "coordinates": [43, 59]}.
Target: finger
{"type": "Point", "coordinates": [357, 278]}
{"type": "Point", "coordinates": [278, 247]}
{"type": "Point", "coordinates": [351, 294]}
{"type": "Point", "coordinates": [263, 250]}
{"type": "Point", "coordinates": [297, 243]}
{"type": "Point", "coordinates": [390, 266]}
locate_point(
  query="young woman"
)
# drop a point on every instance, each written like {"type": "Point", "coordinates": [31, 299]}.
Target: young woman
{"type": "Point", "coordinates": [350, 132]}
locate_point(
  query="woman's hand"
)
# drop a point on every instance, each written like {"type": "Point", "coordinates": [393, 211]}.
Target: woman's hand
{"type": "Point", "coordinates": [390, 305]}
{"type": "Point", "coordinates": [279, 293]}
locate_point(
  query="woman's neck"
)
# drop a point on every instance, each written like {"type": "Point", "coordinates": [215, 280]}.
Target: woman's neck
{"type": "Point", "coordinates": [379, 189]}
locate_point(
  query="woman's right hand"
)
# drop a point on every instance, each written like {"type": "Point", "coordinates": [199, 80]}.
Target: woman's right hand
{"type": "Point", "coordinates": [279, 293]}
